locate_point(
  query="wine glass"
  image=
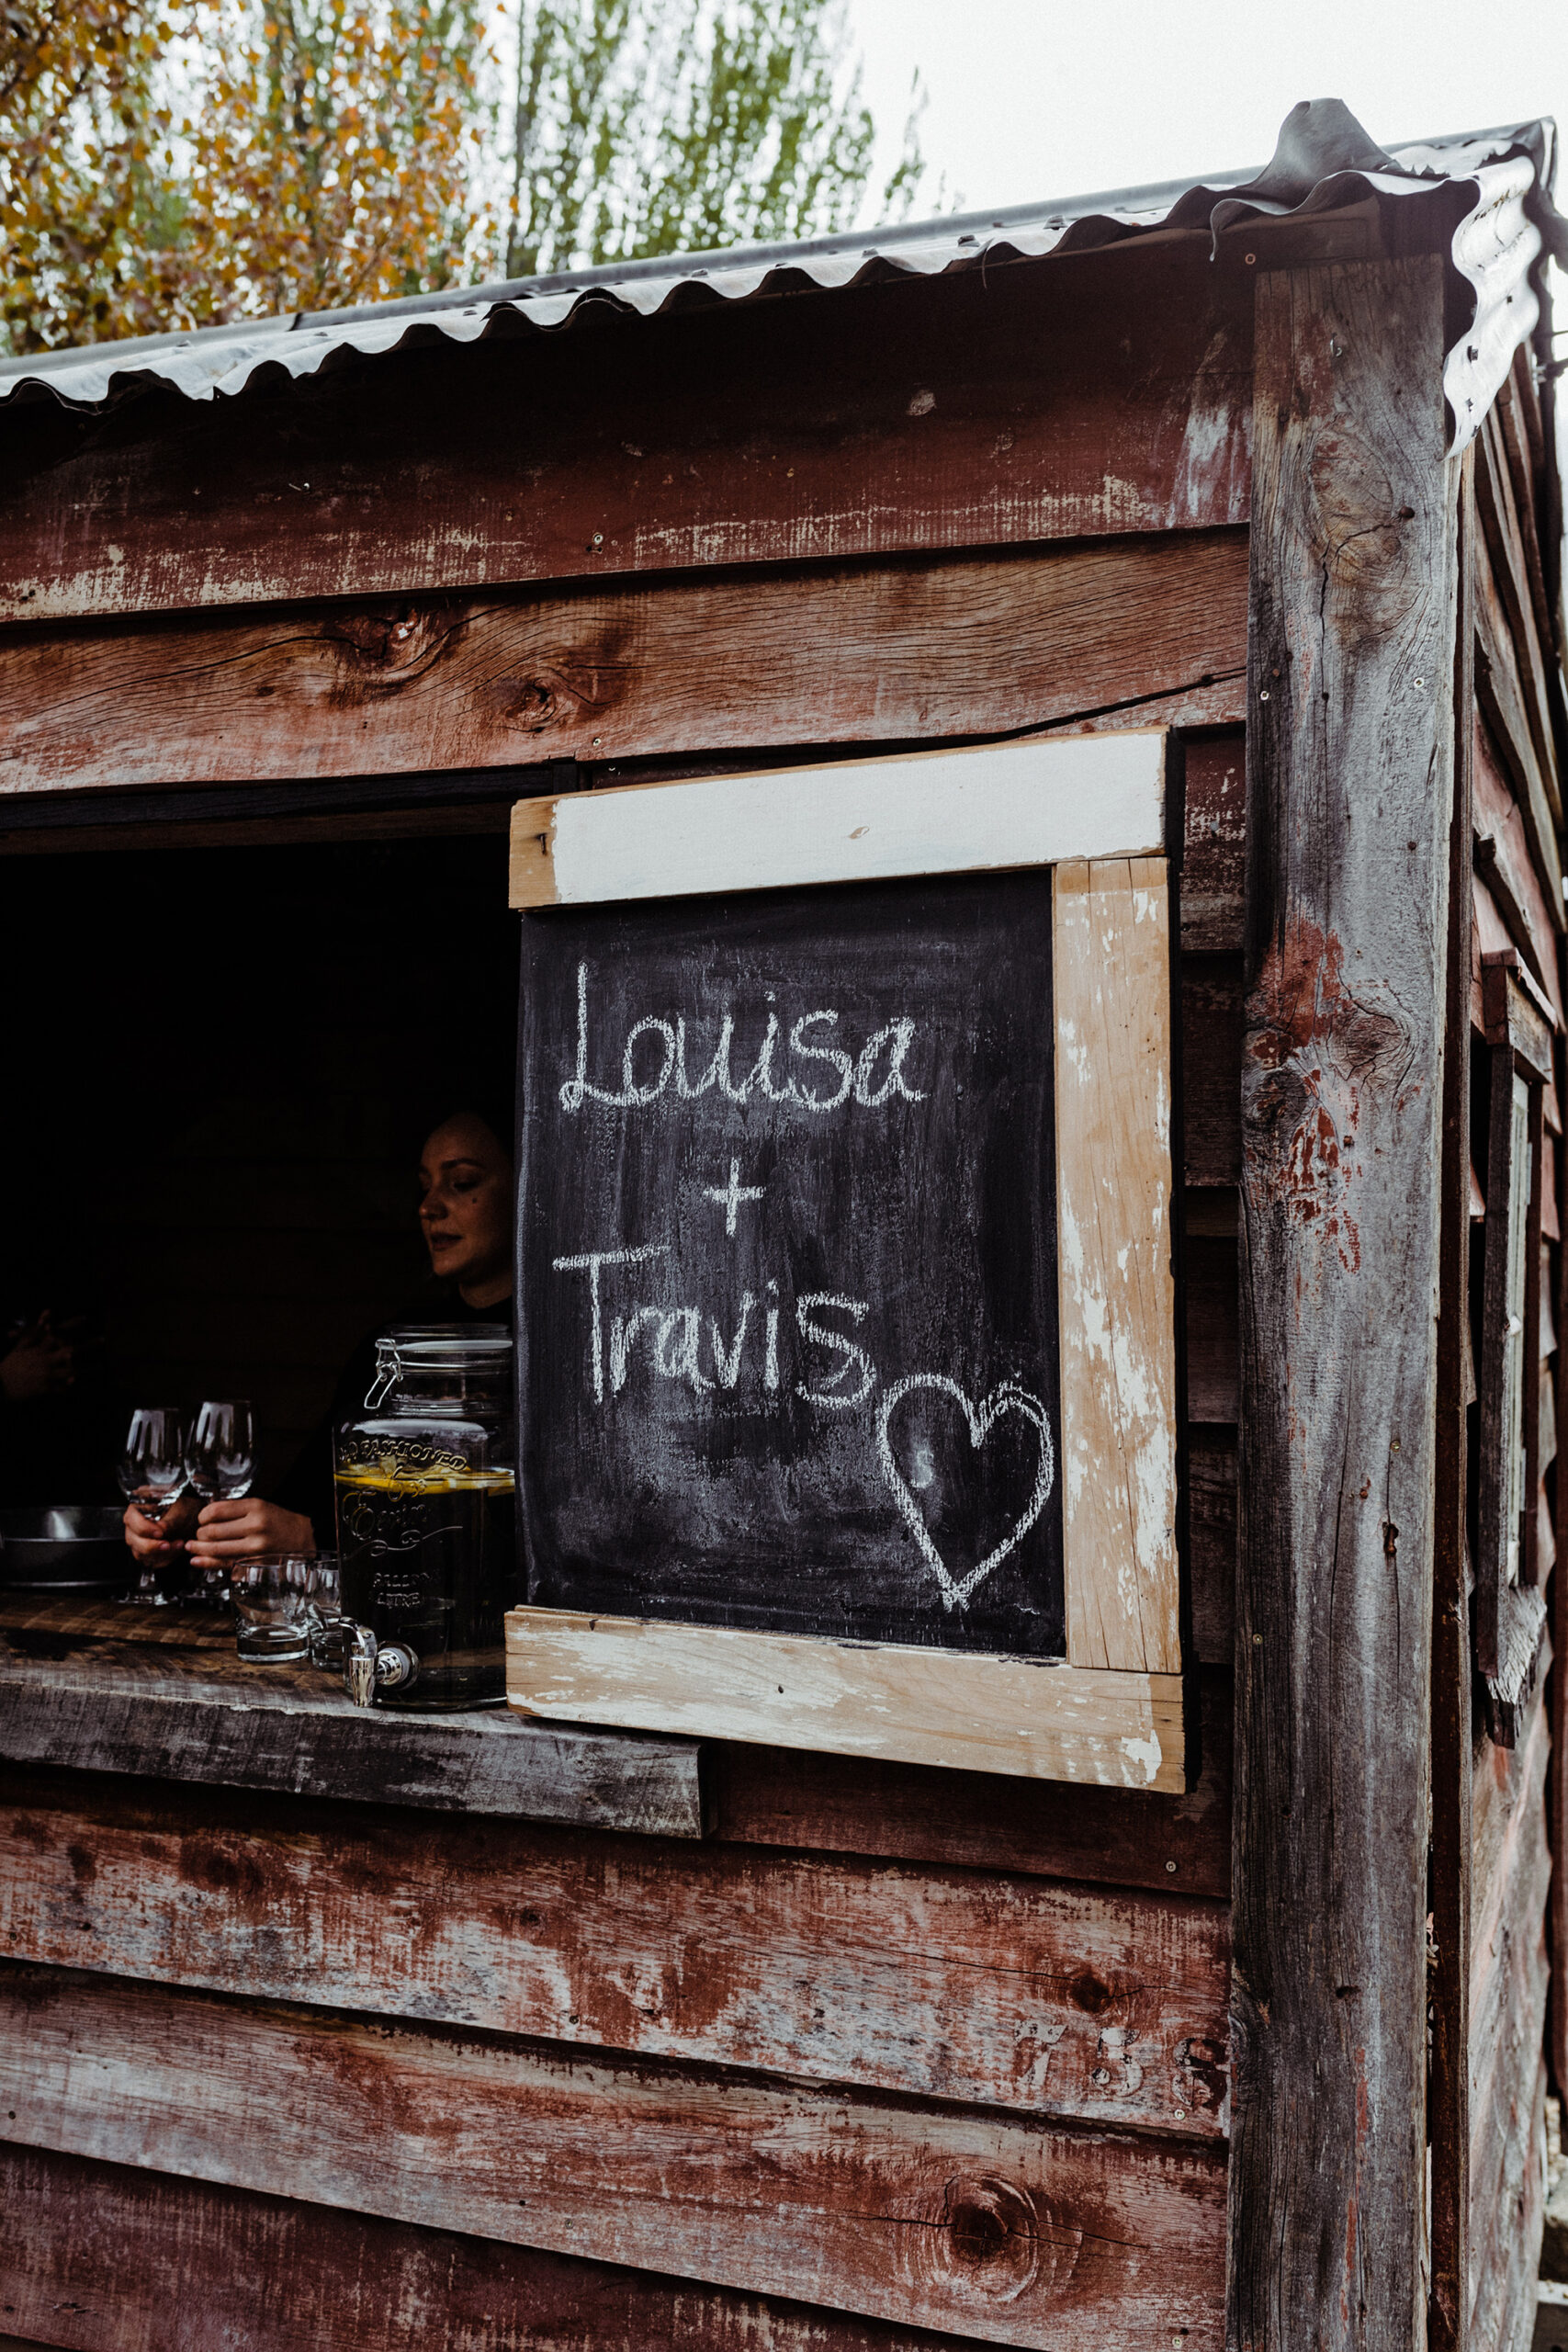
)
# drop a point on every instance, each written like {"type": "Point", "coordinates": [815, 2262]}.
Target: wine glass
{"type": "Point", "coordinates": [151, 1474]}
{"type": "Point", "coordinates": [219, 1460]}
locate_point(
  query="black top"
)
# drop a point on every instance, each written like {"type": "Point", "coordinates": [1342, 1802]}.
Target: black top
{"type": "Point", "coordinates": [309, 1485]}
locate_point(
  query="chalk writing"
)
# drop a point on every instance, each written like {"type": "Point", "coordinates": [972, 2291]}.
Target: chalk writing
{"type": "Point", "coordinates": [982, 1418]}
{"type": "Point", "coordinates": [871, 1078]}
{"type": "Point", "coordinates": [674, 1349]}
{"type": "Point", "coordinates": [729, 1196]}
{"type": "Point", "coordinates": [787, 1257]}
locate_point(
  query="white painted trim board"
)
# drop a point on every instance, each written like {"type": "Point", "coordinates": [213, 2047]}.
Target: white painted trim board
{"type": "Point", "coordinates": [990, 808]}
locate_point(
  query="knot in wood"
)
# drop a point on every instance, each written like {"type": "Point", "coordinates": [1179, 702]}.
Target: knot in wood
{"type": "Point", "coordinates": [384, 650]}
{"type": "Point", "coordinates": [1089, 1993]}
{"type": "Point", "coordinates": [529, 703]}
{"type": "Point", "coordinates": [987, 2247]}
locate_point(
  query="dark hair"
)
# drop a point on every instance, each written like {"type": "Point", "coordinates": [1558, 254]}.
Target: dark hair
{"type": "Point", "coordinates": [494, 1115]}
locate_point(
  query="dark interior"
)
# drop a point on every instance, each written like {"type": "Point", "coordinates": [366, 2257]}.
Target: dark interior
{"type": "Point", "coordinates": [220, 1067]}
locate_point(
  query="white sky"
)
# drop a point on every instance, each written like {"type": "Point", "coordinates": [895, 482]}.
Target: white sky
{"type": "Point", "coordinates": [1029, 101]}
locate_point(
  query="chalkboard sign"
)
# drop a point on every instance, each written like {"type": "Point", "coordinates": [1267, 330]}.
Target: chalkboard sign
{"type": "Point", "coordinates": [846, 1305]}
{"type": "Point", "coordinates": [788, 1244]}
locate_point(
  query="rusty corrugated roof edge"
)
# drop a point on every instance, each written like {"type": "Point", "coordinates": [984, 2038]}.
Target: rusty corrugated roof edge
{"type": "Point", "coordinates": [1324, 161]}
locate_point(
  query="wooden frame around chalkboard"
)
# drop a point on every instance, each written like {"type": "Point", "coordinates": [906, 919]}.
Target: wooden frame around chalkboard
{"type": "Point", "coordinates": [1094, 810]}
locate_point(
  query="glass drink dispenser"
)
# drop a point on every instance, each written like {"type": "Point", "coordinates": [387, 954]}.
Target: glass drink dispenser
{"type": "Point", "coordinates": [427, 1519]}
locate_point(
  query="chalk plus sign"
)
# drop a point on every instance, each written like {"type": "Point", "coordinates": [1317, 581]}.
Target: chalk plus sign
{"type": "Point", "coordinates": [729, 1196]}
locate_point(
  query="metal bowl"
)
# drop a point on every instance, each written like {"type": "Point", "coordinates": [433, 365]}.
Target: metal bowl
{"type": "Point", "coordinates": [65, 1547]}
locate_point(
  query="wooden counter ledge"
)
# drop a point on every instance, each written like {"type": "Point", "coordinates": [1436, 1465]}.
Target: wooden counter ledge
{"type": "Point", "coordinates": [101, 1688]}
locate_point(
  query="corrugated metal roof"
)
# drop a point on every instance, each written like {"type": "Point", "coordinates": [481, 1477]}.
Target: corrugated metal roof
{"type": "Point", "coordinates": [1324, 161]}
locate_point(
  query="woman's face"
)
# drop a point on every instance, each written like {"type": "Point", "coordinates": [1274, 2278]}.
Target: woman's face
{"type": "Point", "coordinates": [465, 1209]}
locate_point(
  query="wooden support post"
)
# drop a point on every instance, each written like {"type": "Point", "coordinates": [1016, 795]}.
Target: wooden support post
{"type": "Point", "coordinates": [1453, 1796]}
{"type": "Point", "coordinates": [1349, 796]}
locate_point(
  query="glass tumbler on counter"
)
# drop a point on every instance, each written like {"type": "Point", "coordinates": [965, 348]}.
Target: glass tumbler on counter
{"type": "Point", "coordinates": [274, 1608]}
{"type": "Point", "coordinates": [427, 1513]}
{"type": "Point", "coordinates": [328, 1632]}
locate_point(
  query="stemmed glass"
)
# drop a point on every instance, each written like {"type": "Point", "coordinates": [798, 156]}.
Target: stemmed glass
{"type": "Point", "coordinates": [219, 1461]}
{"type": "Point", "coordinates": [151, 1474]}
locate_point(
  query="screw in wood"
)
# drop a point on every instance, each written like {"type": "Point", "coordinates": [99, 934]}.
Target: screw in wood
{"type": "Point", "coordinates": [1170, 1866]}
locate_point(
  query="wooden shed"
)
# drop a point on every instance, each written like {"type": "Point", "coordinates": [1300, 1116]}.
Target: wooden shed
{"type": "Point", "coordinates": [651, 2012]}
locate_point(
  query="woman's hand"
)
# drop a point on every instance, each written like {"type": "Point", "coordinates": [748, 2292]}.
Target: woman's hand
{"type": "Point", "coordinates": [229, 1533]}
{"type": "Point", "coordinates": [148, 1548]}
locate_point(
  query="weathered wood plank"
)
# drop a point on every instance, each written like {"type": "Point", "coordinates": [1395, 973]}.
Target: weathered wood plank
{"type": "Point", "coordinates": [1214, 870]}
{"type": "Point", "coordinates": [1211, 1485]}
{"type": "Point", "coordinates": [1500, 695]}
{"type": "Point", "coordinates": [967, 1709]}
{"type": "Point", "coordinates": [882, 653]}
{"type": "Point", "coordinates": [217, 1721]}
{"type": "Point", "coordinates": [1115, 1203]}
{"type": "Point", "coordinates": [1210, 1067]}
{"type": "Point", "coordinates": [1452, 1667]}
{"type": "Point", "coordinates": [982, 2223]}
{"type": "Point", "coordinates": [1506, 2254]}
{"type": "Point", "coordinates": [1048, 2000]}
{"type": "Point", "coordinates": [773, 1796]}
{"type": "Point", "coordinates": [1507, 1994]}
{"type": "Point", "coordinates": [1510, 574]}
{"type": "Point", "coordinates": [1517, 416]}
{"type": "Point", "coordinates": [1556, 1697]}
{"type": "Point", "coordinates": [1213, 1345]}
{"type": "Point", "coordinates": [850, 424]}
{"type": "Point", "coordinates": [430, 823]}
{"type": "Point", "coordinates": [1498, 1782]}
{"type": "Point", "coordinates": [1504, 863]}
{"type": "Point", "coordinates": [1507, 2280]}
{"type": "Point", "coordinates": [1353, 596]}
{"type": "Point", "coordinates": [104, 2258]}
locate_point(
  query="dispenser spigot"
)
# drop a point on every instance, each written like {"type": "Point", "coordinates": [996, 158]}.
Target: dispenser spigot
{"type": "Point", "coordinates": [369, 1666]}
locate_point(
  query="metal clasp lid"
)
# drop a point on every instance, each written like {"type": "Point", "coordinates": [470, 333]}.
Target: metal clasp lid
{"type": "Point", "coordinates": [369, 1666]}
{"type": "Point", "coordinates": [388, 1374]}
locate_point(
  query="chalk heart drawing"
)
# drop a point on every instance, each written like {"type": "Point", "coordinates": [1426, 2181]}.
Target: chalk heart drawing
{"type": "Point", "coordinates": [982, 1418]}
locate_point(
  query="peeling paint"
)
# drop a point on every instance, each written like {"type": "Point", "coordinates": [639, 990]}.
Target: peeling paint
{"type": "Point", "coordinates": [1322, 1046]}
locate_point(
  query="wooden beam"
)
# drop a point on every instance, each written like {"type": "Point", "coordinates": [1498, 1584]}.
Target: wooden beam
{"type": "Point", "coordinates": [964, 1710]}
{"type": "Point", "coordinates": [1510, 573]}
{"type": "Point", "coordinates": [1517, 417]}
{"type": "Point", "coordinates": [979, 410]}
{"type": "Point", "coordinates": [290, 1729]}
{"type": "Point", "coordinates": [1115, 1209]}
{"type": "Point", "coordinates": [993, 807]}
{"type": "Point", "coordinates": [1508, 2011]}
{"type": "Point", "coordinates": [999, 1991]}
{"type": "Point", "coordinates": [104, 2258]}
{"type": "Point", "coordinates": [978, 2222]}
{"type": "Point", "coordinates": [1503, 861]}
{"type": "Point", "coordinates": [882, 654]}
{"type": "Point", "coordinates": [1353, 593]}
{"type": "Point", "coordinates": [1502, 699]}
{"type": "Point", "coordinates": [778, 1796]}
{"type": "Point", "coordinates": [1452, 1668]}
